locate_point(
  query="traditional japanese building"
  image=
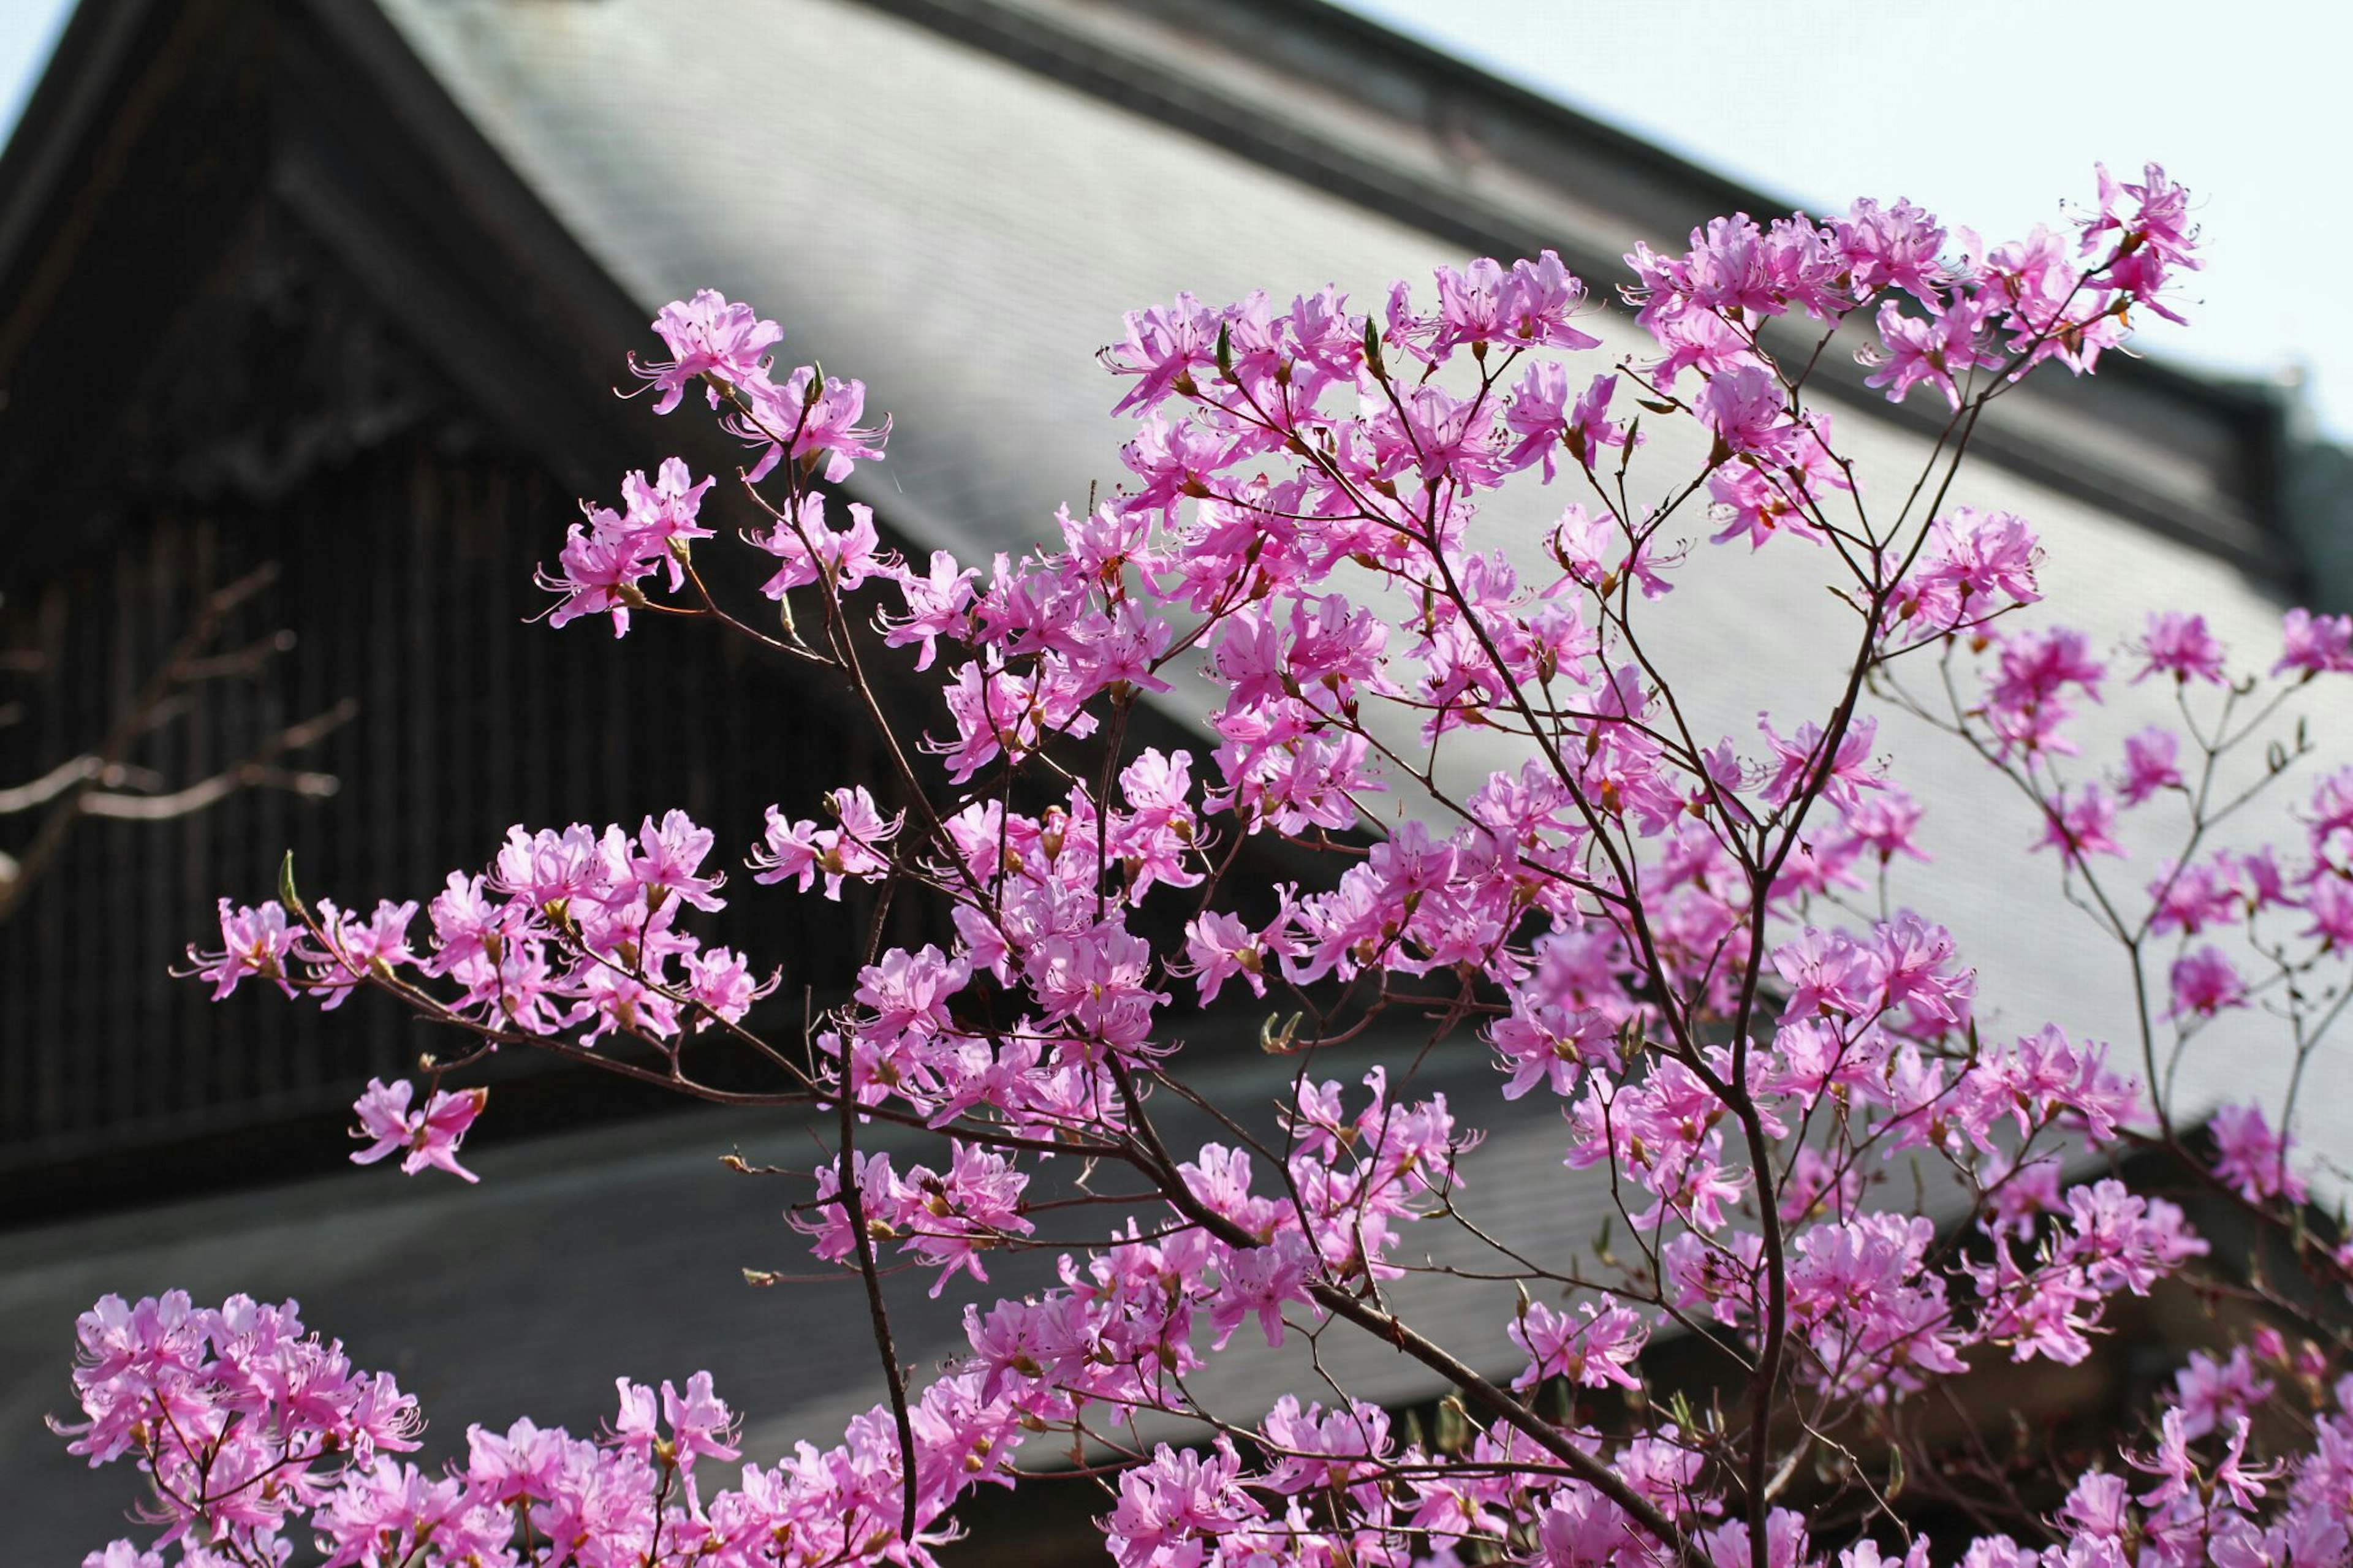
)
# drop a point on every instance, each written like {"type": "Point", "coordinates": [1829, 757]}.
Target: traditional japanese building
{"type": "Point", "coordinates": [346, 286]}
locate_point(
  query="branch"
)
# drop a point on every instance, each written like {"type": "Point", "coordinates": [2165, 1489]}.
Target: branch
{"type": "Point", "coordinates": [257, 771]}
{"type": "Point", "coordinates": [91, 784]}
{"type": "Point", "coordinates": [84, 769]}
{"type": "Point", "coordinates": [1503, 1407]}
{"type": "Point", "coordinates": [853, 1202]}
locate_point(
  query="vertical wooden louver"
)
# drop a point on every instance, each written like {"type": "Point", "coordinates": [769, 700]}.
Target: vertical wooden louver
{"type": "Point", "coordinates": [406, 584]}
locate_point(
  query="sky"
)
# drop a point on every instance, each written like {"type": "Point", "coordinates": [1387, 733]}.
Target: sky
{"type": "Point", "coordinates": [1990, 114]}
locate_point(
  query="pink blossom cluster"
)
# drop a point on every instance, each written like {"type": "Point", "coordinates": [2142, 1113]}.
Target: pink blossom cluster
{"type": "Point", "coordinates": [248, 1428]}
{"type": "Point", "coordinates": [2226, 927]}
{"type": "Point", "coordinates": [723, 346]}
{"type": "Point", "coordinates": [243, 1422]}
{"type": "Point", "coordinates": [1681, 943]}
{"type": "Point", "coordinates": [569, 930]}
{"type": "Point", "coordinates": [598, 572]}
{"type": "Point", "coordinates": [2004, 307]}
{"type": "Point", "coordinates": [1120, 1331]}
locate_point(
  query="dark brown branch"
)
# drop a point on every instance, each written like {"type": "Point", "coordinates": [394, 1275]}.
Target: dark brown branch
{"type": "Point", "coordinates": [853, 1202]}
{"type": "Point", "coordinates": [259, 771]}
{"type": "Point", "coordinates": [1501, 1406]}
{"type": "Point", "coordinates": [100, 782]}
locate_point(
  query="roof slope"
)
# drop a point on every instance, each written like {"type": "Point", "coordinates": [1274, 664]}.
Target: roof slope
{"type": "Point", "coordinates": [954, 200]}
{"type": "Point", "coordinates": [957, 199]}
{"type": "Point", "coordinates": [906, 175]}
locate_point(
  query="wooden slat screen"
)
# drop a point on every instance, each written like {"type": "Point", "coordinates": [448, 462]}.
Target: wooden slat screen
{"type": "Point", "coordinates": [407, 582]}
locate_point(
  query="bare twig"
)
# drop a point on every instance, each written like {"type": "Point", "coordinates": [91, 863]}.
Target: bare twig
{"type": "Point", "coordinates": [103, 781]}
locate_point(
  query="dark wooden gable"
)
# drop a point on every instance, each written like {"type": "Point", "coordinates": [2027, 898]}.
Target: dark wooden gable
{"type": "Point", "coordinates": [269, 299]}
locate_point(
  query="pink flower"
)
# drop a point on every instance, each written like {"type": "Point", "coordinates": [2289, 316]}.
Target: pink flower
{"type": "Point", "coordinates": [1531, 304]}
{"type": "Point", "coordinates": [1165, 346]}
{"type": "Point", "coordinates": [666, 858]}
{"type": "Point", "coordinates": [2150, 238]}
{"type": "Point", "coordinates": [1173, 1511]}
{"type": "Point", "coordinates": [551, 867]}
{"type": "Point", "coordinates": [430, 1137]}
{"type": "Point", "coordinates": [1801, 764]}
{"type": "Point", "coordinates": [701, 1420]}
{"type": "Point", "coordinates": [2123, 1241]}
{"type": "Point", "coordinates": [2216, 1394]}
{"type": "Point", "coordinates": [353, 951]}
{"type": "Point", "coordinates": [1258, 1282]}
{"type": "Point", "coordinates": [597, 572]}
{"type": "Point", "coordinates": [1892, 247]}
{"type": "Point", "coordinates": [1884, 819]}
{"type": "Point", "coordinates": [1749, 413]}
{"type": "Point", "coordinates": [1938, 348]}
{"type": "Point", "coordinates": [722, 981]}
{"type": "Point", "coordinates": [1592, 1352]}
{"type": "Point", "coordinates": [1591, 428]}
{"type": "Point", "coordinates": [2077, 823]}
{"type": "Point", "coordinates": [2205, 984]}
{"type": "Point", "coordinates": [790, 852]}
{"type": "Point", "coordinates": [1977, 564]}
{"type": "Point", "coordinates": [122, 1554]}
{"type": "Point", "coordinates": [636, 1427]}
{"type": "Point", "coordinates": [2054, 309]}
{"type": "Point", "coordinates": [2330, 901]}
{"type": "Point", "coordinates": [1537, 413]}
{"type": "Point", "coordinates": [2253, 1158]}
{"type": "Point", "coordinates": [1757, 499]}
{"type": "Point", "coordinates": [2315, 643]}
{"type": "Point", "coordinates": [2331, 822]}
{"type": "Point", "coordinates": [1597, 552]}
{"type": "Point", "coordinates": [2189, 899]}
{"type": "Point", "coordinates": [2149, 765]}
{"type": "Point", "coordinates": [2176, 1471]}
{"type": "Point", "coordinates": [1320, 1451]}
{"type": "Point", "coordinates": [254, 940]}
{"type": "Point", "coordinates": [938, 603]}
{"type": "Point", "coordinates": [2027, 704]}
{"type": "Point", "coordinates": [2241, 1481]}
{"type": "Point", "coordinates": [810, 552]}
{"type": "Point", "coordinates": [660, 522]}
{"type": "Point", "coordinates": [707, 335]}
{"type": "Point", "coordinates": [807, 419]}
{"type": "Point", "coordinates": [1218, 946]}
{"type": "Point", "coordinates": [2181, 645]}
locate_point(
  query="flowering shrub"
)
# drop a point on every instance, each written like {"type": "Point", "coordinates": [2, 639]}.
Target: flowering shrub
{"type": "Point", "coordinates": [1669, 934]}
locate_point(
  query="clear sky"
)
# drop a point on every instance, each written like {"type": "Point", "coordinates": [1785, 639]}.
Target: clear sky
{"type": "Point", "coordinates": [1990, 113]}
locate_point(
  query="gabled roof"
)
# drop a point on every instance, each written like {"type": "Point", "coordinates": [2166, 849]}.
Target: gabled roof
{"type": "Point", "coordinates": [910, 143]}
{"type": "Point", "coordinates": [523, 181]}
{"type": "Point", "coordinates": [266, 296]}
{"type": "Point", "coordinates": [173, 134]}
{"type": "Point", "coordinates": [955, 199]}
{"type": "Point", "coordinates": [1348, 106]}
